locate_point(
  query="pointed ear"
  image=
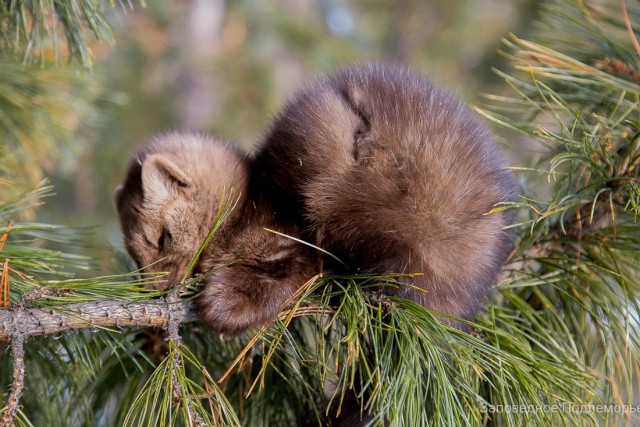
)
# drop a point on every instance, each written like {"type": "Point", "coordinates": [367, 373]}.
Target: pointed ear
{"type": "Point", "coordinates": [357, 100]}
{"type": "Point", "coordinates": [162, 178]}
{"type": "Point", "coordinates": [117, 197]}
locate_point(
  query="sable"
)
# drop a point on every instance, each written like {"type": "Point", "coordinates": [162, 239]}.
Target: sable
{"type": "Point", "coordinates": [376, 165]}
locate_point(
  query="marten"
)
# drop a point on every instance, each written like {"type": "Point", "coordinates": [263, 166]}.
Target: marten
{"type": "Point", "coordinates": [374, 164]}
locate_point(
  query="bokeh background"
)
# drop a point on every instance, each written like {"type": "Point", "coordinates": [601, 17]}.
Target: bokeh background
{"type": "Point", "coordinates": [226, 67]}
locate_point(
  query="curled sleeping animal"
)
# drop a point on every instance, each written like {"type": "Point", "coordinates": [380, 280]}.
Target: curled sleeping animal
{"type": "Point", "coordinates": [374, 164]}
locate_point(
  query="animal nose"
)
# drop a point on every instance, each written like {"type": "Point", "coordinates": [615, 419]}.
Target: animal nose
{"type": "Point", "coordinates": [173, 279]}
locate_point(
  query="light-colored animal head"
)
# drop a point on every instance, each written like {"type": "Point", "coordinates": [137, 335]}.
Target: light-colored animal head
{"type": "Point", "coordinates": [172, 192]}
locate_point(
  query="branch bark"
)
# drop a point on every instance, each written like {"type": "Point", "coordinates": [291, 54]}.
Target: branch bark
{"type": "Point", "coordinates": [17, 385]}
{"type": "Point", "coordinates": [29, 322]}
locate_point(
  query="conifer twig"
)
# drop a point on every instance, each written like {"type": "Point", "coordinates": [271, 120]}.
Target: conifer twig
{"type": "Point", "coordinates": [17, 385]}
{"type": "Point", "coordinates": [30, 322]}
{"type": "Point", "coordinates": [173, 331]}
{"type": "Point", "coordinates": [173, 322]}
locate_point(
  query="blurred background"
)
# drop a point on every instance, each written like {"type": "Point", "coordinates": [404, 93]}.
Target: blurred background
{"type": "Point", "coordinates": [226, 67]}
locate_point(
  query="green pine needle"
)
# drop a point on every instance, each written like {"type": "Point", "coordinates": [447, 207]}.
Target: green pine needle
{"type": "Point", "coordinates": [172, 397]}
{"type": "Point", "coordinates": [36, 29]}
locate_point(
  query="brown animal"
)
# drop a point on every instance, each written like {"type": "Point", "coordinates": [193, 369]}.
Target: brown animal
{"type": "Point", "coordinates": [375, 165]}
{"type": "Point", "coordinates": [392, 174]}
{"type": "Point", "coordinates": [171, 194]}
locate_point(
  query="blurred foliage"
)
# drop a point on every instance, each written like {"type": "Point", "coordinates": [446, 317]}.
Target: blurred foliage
{"type": "Point", "coordinates": [35, 30]}
{"type": "Point", "coordinates": [42, 112]}
{"type": "Point", "coordinates": [577, 93]}
{"type": "Point", "coordinates": [45, 109]}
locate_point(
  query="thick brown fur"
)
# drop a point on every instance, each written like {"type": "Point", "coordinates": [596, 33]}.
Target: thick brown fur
{"type": "Point", "coordinates": [173, 187]}
{"type": "Point", "coordinates": [393, 175]}
{"type": "Point", "coordinates": [172, 191]}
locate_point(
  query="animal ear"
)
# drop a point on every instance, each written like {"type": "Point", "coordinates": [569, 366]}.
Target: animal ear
{"type": "Point", "coordinates": [162, 178]}
{"type": "Point", "coordinates": [117, 196]}
{"type": "Point", "coordinates": [356, 99]}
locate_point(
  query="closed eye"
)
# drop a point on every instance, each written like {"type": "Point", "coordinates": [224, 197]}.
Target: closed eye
{"type": "Point", "coordinates": [161, 243]}
{"type": "Point", "coordinates": [164, 237]}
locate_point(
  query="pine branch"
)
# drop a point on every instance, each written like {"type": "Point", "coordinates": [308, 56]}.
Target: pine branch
{"type": "Point", "coordinates": [578, 95]}
{"type": "Point", "coordinates": [17, 386]}
{"type": "Point", "coordinates": [40, 29]}
{"type": "Point", "coordinates": [173, 320]}
{"type": "Point", "coordinates": [43, 109]}
{"type": "Point", "coordinates": [29, 322]}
